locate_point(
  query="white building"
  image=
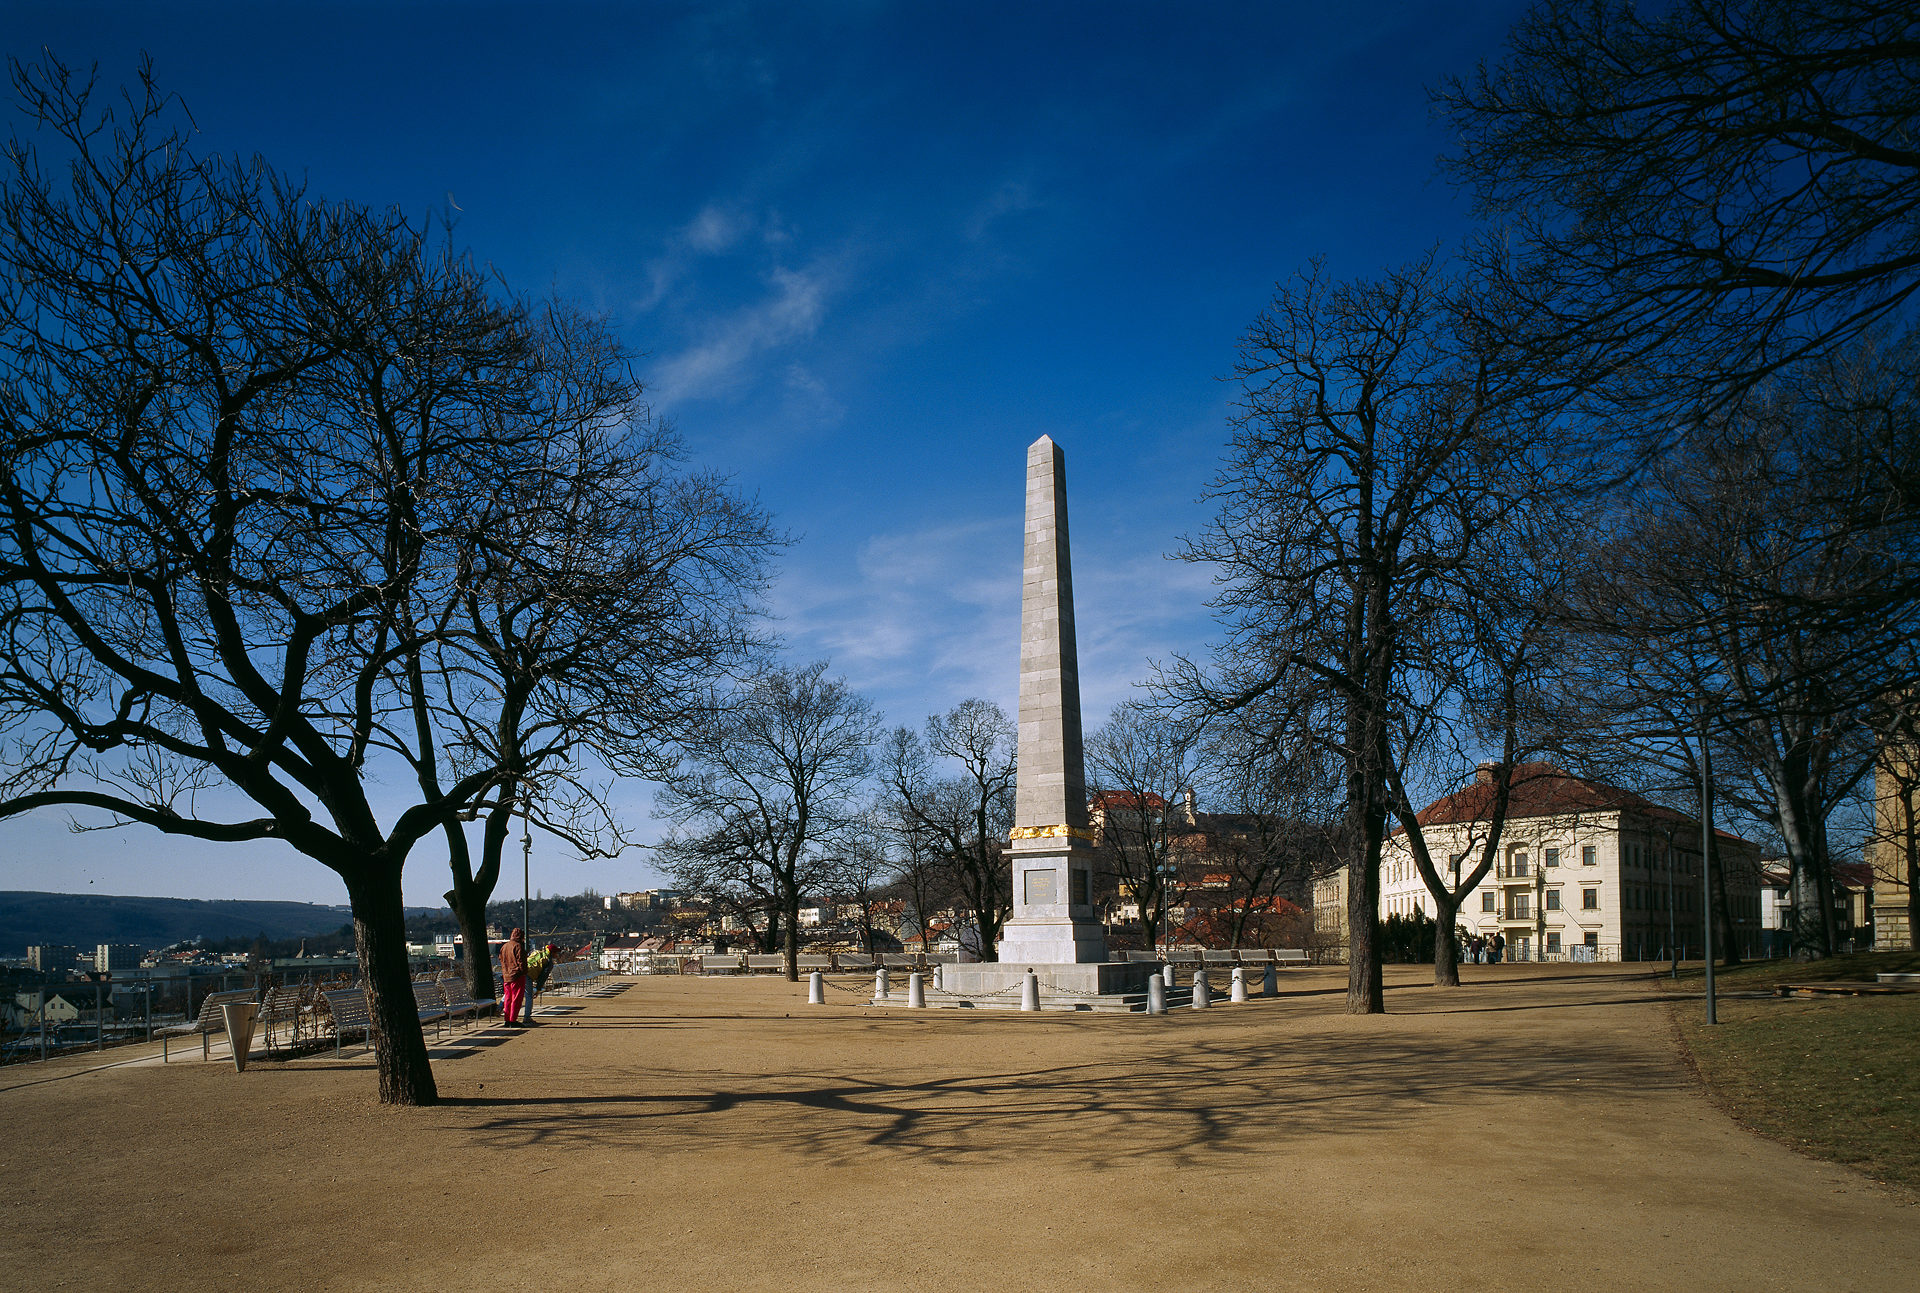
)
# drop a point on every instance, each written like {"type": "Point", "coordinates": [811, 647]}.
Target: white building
{"type": "Point", "coordinates": [1584, 871]}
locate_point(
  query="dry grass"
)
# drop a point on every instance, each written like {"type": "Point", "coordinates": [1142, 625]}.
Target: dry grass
{"type": "Point", "coordinates": [1835, 1077]}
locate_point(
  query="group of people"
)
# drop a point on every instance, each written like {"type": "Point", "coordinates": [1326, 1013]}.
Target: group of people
{"type": "Point", "coordinates": [1487, 951]}
{"type": "Point", "coordinates": [522, 975]}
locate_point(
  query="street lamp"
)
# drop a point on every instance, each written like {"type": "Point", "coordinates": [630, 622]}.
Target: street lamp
{"type": "Point", "coordinates": [1706, 861]}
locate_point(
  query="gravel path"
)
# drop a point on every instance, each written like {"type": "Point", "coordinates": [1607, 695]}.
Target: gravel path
{"type": "Point", "coordinates": [1535, 1129]}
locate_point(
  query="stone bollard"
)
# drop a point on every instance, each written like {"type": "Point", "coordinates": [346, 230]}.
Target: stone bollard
{"type": "Point", "coordinates": [1202, 998]}
{"type": "Point", "coordinates": [1030, 991]}
{"type": "Point", "coordinates": [880, 986]}
{"type": "Point", "coordinates": [816, 989]}
{"type": "Point", "coordinates": [1166, 974]}
{"type": "Point", "coordinates": [1156, 995]}
{"type": "Point", "coordinates": [1239, 991]}
{"type": "Point", "coordinates": [1270, 982]}
{"type": "Point", "coordinates": [916, 992]}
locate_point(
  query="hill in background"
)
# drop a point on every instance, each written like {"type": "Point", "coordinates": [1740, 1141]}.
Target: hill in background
{"type": "Point", "coordinates": [86, 920]}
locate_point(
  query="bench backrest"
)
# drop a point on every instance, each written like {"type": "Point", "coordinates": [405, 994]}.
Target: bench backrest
{"type": "Point", "coordinates": [852, 961]}
{"type": "Point", "coordinates": [899, 960]}
{"type": "Point", "coordinates": [766, 961]}
{"type": "Point", "coordinates": [348, 1009]}
{"type": "Point", "coordinates": [1295, 955]}
{"type": "Point", "coordinates": [212, 1018]}
{"type": "Point", "coordinates": [1254, 955]}
{"type": "Point", "coordinates": [725, 961]}
{"type": "Point", "coordinates": [814, 961]}
{"type": "Point", "coordinates": [1213, 957]}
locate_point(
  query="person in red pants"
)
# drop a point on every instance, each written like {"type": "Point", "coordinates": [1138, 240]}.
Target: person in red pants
{"type": "Point", "coordinates": [513, 974]}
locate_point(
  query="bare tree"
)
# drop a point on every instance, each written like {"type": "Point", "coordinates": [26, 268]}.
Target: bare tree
{"type": "Point", "coordinates": [1140, 772]}
{"type": "Point", "coordinates": [1894, 845]}
{"type": "Point", "coordinates": [242, 429]}
{"type": "Point", "coordinates": [1273, 806]}
{"type": "Point", "coordinates": [1383, 435]}
{"type": "Point", "coordinates": [962, 819]}
{"type": "Point", "coordinates": [1698, 198]}
{"type": "Point", "coordinates": [768, 789]}
{"type": "Point", "coordinates": [589, 612]}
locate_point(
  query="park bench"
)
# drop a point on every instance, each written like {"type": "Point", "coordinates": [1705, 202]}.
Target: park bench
{"type": "Point", "coordinates": [900, 960]}
{"type": "Point", "coordinates": [1290, 956]}
{"type": "Point", "coordinates": [211, 1019]}
{"type": "Point", "coordinates": [766, 963]}
{"type": "Point", "coordinates": [1215, 959]}
{"type": "Point", "coordinates": [942, 958]}
{"type": "Point", "coordinates": [1147, 958]}
{"type": "Point", "coordinates": [725, 963]}
{"type": "Point", "coordinates": [814, 961]}
{"type": "Point", "coordinates": [346, 1012]}
{"type": "Point", "coordinates": [430, 1004]}
{"type": "Point", "coordinates": [1184, 960]}
{"type": "Point", "coordinates": [852, 961]}
{"type": "Point", "coordinates": [1839, 989]}
{"type": "Point", "coordinates": [569, 975]}
{"type": "Point", "coordinates": [1257, 957]}
{"type": "Point", "coordinates": [288, 1005]}
{"type": "Point", "coordinates": [459, 999]}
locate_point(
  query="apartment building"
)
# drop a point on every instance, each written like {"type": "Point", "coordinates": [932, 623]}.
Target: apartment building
{"type": "Point", "coordinates": [1585, 871]}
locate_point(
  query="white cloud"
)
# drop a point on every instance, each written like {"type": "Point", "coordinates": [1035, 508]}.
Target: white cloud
{"type": "Point", "coordinates": [791, 311]}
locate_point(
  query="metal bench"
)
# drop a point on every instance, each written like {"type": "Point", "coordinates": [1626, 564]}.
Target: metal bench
{"type": "Point", "coordinates": [287, 1004]}
{"type": "Point", "coordinates": [852, 961]}
{"type": "Point", "coordinates": [430, 1004]}
{"type": "Point", "coordinates": [212, 1019]}
{"type": "Point", "coordinates": [726, 963]}
{"type": "Point", "coordinates": [346, 1012]}
{"type": "Point", "coordinates": [1290, 956]}
{"type": "Point", "coordinates": [766, 963]}
{"type": "Point", "coordinates": [459, 999]}
{"type": "Point", "coordinates": [1258, 957]}
{"type": "Point", "coordinates": [813, 961]}
{"type": "Point", "coordinates": [1152, 958]}
{"type": "Point", "coordinates": [900, 960]}
{"type": "Point", "coordinates": [1214, 958]}
{"type": "Point", "coordinates": [1186, 960]}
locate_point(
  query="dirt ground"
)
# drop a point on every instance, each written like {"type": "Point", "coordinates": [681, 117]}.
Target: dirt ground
{"type": "Point", "coordinates": [1535, 1129]}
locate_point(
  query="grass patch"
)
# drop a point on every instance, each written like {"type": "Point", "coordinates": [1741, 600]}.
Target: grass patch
{"type": "Point", "coordinates": [1835, 1077]}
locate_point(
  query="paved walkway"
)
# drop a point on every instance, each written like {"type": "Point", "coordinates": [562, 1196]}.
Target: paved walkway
{"type": "Point", "coordinates": [1534, 1129]}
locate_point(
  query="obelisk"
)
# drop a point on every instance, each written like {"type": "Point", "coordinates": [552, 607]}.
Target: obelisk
{"type": "Point", "coordinates": [1054, 921]}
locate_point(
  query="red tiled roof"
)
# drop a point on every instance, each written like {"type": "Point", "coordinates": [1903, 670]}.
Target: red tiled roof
{"type": "Point", "coordinates": [1127, 799]}
{"type": "Point", "coordinates": [1542, 790]}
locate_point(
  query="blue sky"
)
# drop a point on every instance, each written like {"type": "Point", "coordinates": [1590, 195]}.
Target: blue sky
{"type": "Point", "coordinates": [871, 252]}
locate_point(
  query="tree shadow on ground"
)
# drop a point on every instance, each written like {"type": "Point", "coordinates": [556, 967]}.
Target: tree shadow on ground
{"type": "Point", "coordinates": [1223, 1100]}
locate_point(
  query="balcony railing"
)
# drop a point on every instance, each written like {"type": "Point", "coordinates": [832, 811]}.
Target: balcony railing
{"type": "Point", "coordinates": [1516, 871]}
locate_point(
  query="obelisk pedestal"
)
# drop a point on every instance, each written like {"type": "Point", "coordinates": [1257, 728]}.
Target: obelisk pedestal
{"type": "Point", "coordinates": [1055, 929]}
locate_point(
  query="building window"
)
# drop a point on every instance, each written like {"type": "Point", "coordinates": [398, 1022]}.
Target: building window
{"type": "Point", "coordinates": [1553, 942]}
{"type": "Point", "coordinates": [1590, 900]}
{"type": "Point", "coordinates": [1553, 900]}
{"type": "Point", "coordinates": [1551, 857]}
{"type": "Point", "coordinates": [1592, 939]}
{"type": "Point", "coordinates": [1486, 902]}
{"type": "Point", "coordinates": [1587, 857]}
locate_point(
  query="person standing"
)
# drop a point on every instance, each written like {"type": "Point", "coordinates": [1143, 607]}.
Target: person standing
{"type": "Point", "coordinates": [1499, 948]}
{"type": "Point", "coordinates": [539, 966]}
{"type": "Point", "coordinates": [513, 974]}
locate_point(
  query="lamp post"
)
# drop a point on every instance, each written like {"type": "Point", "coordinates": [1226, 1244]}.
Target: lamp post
{"type": "Point", "coordinates": [1706, 867]}
{"type": "Point", "coordinates": [1673, 948]}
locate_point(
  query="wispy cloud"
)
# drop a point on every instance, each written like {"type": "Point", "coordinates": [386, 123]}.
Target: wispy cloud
{"type": "Point", "coordinates": [791, 310]}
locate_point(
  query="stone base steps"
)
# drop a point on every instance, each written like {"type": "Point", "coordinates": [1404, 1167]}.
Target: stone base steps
{"type": "Point", "coordinates": [1110, 1003]}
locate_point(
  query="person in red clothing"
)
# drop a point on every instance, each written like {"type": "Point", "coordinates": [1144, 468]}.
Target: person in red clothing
{"type": "Point", "coordinates": [513, 974]}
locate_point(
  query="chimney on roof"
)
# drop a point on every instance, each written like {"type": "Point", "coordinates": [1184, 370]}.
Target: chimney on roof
{"type": "Point", "coordinates": [1484, 773]}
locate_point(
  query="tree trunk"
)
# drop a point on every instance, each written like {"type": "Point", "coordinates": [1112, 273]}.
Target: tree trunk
{"type": "Point", "coordinates": [1722, 912]}
{"type": "Point", "coordinates": [470, 909]}
{"type": "Point", "coordinates": [1446, 953]}
{"type": "Point", "coordinates": [793, 936]}
{"type": "Point", "coordinates": [380, 934]}
{"type": "Point", "coordinates": [1366, 988]}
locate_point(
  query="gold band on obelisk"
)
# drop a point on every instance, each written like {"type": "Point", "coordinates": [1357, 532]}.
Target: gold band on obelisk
{"type": "Point", "coordinates": [1051, 833]}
